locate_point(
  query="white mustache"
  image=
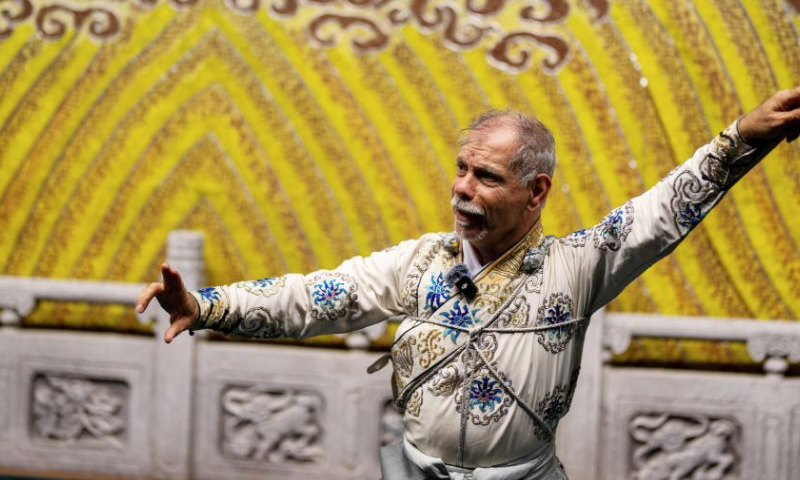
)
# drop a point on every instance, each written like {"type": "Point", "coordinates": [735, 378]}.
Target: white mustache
{"type": "Point", "coordinates": [467, 207]}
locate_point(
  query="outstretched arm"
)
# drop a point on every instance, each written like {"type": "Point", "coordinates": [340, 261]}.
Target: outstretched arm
{"type": "Point", "coordinates": [360, 292]}
{"type": "Point", "coordinates": [632, 237]}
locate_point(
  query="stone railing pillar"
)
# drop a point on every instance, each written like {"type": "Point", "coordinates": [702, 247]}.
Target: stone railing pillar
{"type": "Point", "coordinates": [174, 373]}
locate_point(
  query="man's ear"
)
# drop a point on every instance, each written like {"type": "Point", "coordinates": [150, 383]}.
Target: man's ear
{"type": "Point", "coordinates": [540, 189]}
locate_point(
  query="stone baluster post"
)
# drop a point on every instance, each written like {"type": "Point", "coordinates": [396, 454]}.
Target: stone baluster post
{"type": "Point", "coordinates": [174, 376]}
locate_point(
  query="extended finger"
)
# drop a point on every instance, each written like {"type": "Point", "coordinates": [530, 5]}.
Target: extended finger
{"type": "Point", "coordinates": [173, 331]}
{"type": "Point", "coordinates": [147, 294]}
{"type": "Point", "coordinates": [788, 99]}
{"type": "Point", "coordinates": [172, 278]}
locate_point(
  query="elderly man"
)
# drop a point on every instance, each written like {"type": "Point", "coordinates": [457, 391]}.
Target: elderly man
{"type": "Point", "coordinates": [487, 358]}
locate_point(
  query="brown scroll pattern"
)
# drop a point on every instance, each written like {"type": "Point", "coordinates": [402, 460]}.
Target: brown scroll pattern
{"type": "Point", "coordinates": [54, 19]}
{"type": "Point", "coordinates": [368, 24]}
{"type": "Point", "coordinates": [463, 25]}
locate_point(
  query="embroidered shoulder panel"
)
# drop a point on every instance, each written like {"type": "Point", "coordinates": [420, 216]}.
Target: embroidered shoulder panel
{"type": "Point", "coordinates": [577, 238]}
{"type": "Point", "coordinates": [614, 228]}
{"type": "Point", "coordinates": [608, 235]}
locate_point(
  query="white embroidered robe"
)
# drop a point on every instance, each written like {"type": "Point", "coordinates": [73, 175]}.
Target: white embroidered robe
{"type": "Point", "coordinates": [501, 394]}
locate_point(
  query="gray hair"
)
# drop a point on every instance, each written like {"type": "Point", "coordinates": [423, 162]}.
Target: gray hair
{"type": "Point", "coordinates": [537, 150]}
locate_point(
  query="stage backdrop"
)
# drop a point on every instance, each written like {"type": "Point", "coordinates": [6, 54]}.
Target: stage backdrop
{"type": "Point", "coordinates": [296, 133]}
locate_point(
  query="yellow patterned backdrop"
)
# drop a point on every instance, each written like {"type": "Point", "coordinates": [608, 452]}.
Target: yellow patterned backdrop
{"type": "Point", "coordinates": [296, 133]}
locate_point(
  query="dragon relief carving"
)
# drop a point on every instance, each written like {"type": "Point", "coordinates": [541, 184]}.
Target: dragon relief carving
{"type": "Point", "coordinates": [276, 427]}
{"type": "Point", "coordinates": [78, 410]}
{"type": "Point", "coordinates": [678, 447]}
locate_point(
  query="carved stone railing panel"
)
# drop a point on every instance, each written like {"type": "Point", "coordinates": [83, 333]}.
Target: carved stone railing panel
{"type": "Point", "coordinates": [669, 446]}
{"type": "Point", "coordinates": [79, 411]}
{"type": "Point", "coordinates": [278, 427]}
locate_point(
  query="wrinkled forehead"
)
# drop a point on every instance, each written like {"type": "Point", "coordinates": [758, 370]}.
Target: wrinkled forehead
{"type": "Point", "coordinates": [498, 135]}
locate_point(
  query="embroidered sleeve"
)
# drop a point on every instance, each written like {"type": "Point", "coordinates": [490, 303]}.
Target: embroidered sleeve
{"type": "Point", "coordinates": [635, 235]}
{"type": "Point", "coordinates": [360, 292]}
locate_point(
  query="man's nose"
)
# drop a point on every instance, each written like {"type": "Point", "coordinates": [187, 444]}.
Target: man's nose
{"type": "Point", "coordinates": [464, 187]}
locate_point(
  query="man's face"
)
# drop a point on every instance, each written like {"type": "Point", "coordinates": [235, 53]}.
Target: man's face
{"type": "Point", "coordinates": [489, 201]}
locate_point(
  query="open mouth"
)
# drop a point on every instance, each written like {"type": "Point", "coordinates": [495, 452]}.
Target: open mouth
{"type": "Point", "coordinates": [467, 218]}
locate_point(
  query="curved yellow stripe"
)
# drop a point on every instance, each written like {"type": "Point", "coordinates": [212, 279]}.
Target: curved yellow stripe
{"type": "Point", "coordinates": [386, 110]}
{"type": "Point", "coordinates": [365, 148]}
{"type": "Point", "coordinates": [289, 87]}
{"type": "Point", "coordinates": [33, 97]}
{"type": "Point", "coordinates": [642, 132]}
{"type": "Point", "coordinates": [753, 197]}
{"type": "Point", "coordinates": [44, 198]}
{"type": "Point", "coordinates": [205, 176]}
{"type": "Point", "coordinates": [674, 97]}
{"type": "Point", "coordinates": [425, 102]}
{"type": "Point", "coordinates": [210, 115]}
{"type": "Point", "coordinates": [142, 123]}
{"type": "Point", "coordinates": [464, 96]}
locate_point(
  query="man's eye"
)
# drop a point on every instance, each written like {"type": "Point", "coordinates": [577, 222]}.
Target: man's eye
{"type": "Point", "coordinates": [489, 177]}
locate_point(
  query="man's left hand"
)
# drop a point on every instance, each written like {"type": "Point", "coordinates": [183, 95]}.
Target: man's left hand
{"type": "Point", "coordinates": [775, 119]}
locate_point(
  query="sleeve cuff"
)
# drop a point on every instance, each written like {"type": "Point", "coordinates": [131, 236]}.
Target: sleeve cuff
{"type": "Point", "coordinates": [213, 308]}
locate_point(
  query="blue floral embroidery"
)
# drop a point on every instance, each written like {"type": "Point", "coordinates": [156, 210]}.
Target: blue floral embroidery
{"type": "Point", "coordinates": [263, 287]}
{"type": "Point", "coordinates": [264, 282]}
{"type": "Point", "coordinates": [460, 317]}
{"type": "Point", "coordinates": [213, 308]}
{"type": "Point", "coordinates": [333, 295]}
{"type": "Point", "coordinates": [438, 292]}
{"type": "Point", "coordinates": [486, 399]}
{"type": "Point", "coordinates": [555, 312]}
{"type": "Point", "coordinates": [691, 215]}
{"type": "Point", "coordinates": [614, 228]}
{"type": "Point", "coordinates": [209, 294]}
{"type": "Point", "coordinates": [552, 408]}
{"type": "Point", "coordinates": [326, 293]}
{"type": "Point", "coordinates": [484, 393]}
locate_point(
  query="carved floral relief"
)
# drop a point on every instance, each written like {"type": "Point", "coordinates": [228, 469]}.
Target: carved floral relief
{"type": "Point", "coordinates": [79, 410]}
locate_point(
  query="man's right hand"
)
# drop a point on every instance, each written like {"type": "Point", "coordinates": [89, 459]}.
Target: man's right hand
{"type": "Point", "coordinates": [172, 296]}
